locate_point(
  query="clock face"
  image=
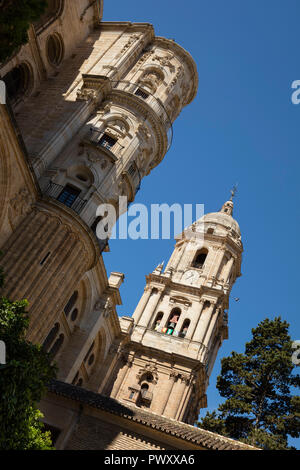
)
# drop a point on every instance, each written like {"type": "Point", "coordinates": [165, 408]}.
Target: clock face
{"type": "Point", "coordinates": [190, 276]}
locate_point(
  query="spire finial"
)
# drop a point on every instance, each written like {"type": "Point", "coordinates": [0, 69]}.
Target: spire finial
{"type": "Point", "coordinates": [233, 191]}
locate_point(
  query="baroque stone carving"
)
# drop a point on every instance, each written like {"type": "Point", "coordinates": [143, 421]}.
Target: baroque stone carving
{"type": "Point", "coordinates": [87, 94]}
{"type": "Point", "coordinates": [132, 38]}
{"type": "Point", "coordinates": [105, 305]}
{"type": "Point", "coordinates": [148, 368]}
{"type": "Point", "coordinates": [21, 203]}
{"type": "Point", "coordinates": [165, 61]}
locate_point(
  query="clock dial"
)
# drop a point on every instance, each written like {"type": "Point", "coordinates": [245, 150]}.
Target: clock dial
{"type": "Point", "coordinates": [190, 276]}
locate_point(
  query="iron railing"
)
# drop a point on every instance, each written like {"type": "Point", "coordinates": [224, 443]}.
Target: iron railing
{"type": "Point", "coordinates": [54, 190]}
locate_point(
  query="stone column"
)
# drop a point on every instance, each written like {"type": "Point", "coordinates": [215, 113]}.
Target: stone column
{"type": "Point", "coordinates": [166, 395]}
{"type": "Point", "coordinates": [203, 323]}
{"type": "Point", "coordinates": [146, 316]}
{"type": "Point", "coordinates": [184, 402]}
{"type": "Point", "coordinates": [228, 269]}
{"type": "Point", "coordinates": [142, 304]}
{"type": "Point", "coordinates": [120, 379]}
{"type": "Point", "coordinates": [211, 327]}
{"type": "Point", "coordinates": [175, 397]}
{"type": "Point", "coordinates": [194, 320]}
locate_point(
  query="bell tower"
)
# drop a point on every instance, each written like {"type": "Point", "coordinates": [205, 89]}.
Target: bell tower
{"type": "Point", "coordinates": [180, 321]}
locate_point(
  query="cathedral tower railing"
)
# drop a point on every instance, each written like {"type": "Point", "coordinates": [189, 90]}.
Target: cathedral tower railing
{"type": "Point", "coordinates": [55, 191]}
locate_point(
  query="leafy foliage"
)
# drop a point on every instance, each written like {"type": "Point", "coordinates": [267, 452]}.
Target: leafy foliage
{"type": "Point", "coordinates": [16, 16]}
{"type": "Point", "coordinates": [22, 382]}
{"type": "Point", "coordinates": [259, 408]}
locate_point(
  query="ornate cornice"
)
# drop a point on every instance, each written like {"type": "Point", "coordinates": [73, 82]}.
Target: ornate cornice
{"type": "Point", "coordinates": [186, 56]}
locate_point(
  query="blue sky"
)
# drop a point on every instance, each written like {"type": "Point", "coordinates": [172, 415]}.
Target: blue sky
{"type": "Point", "coordinates": [242, 127]}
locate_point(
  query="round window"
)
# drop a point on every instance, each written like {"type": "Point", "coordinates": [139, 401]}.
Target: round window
{"type": "Point", "coordinates": [55, 49]}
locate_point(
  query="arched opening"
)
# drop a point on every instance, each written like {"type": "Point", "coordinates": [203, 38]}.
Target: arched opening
{"type": "Point", "coordinates": [157, 323]}
{"type": "Point", "coordinates": [144, 389]}
{"type": "Point", "coordinates": [145, 395]}
{"type": "Point", "coordinates": [55, 49]}
{"type": "Point", "coordinates": [54, 8]}
{"type": "Point", "coordinates": [51, 337]}
{"type": "Point", "coordinates": [172, 321]}
{"type": "Point", "coordinates": [71, 302]}
{"type": "Point", "coordinates": [74, 314]}
{"type": "Point", "coordinates": [89, 351]}
{"type": "Point", "coordinates": [57, 345]}
{"type": "Point", "coordinates": [184, 328]}
{"type": "Point", "coordinates": [200, 259]}
{"type": "Point", "coordinates": [17, 81]}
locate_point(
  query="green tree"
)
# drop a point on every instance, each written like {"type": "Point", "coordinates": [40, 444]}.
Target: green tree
{"type": "Point", "coordinates": [15, 18]}
{"type": "Point", "coordinates": [23, 380]}
{"type": "Point", "coordinates": [259, 408]}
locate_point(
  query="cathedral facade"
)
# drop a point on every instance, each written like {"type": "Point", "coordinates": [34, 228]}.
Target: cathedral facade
{"type": "Point", "coordinates": [89, 114]}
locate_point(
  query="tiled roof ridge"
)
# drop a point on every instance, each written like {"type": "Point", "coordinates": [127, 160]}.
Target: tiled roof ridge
{"type": "Point", "coordinates": [179, 429]}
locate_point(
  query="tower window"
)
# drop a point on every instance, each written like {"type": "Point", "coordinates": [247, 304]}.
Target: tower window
{"type": "Point", "coordinates": [17, 81]}
{"type": "Point", "coordinates": [143, 94]}
{"type": "Point", "coordinates": [71, 303]}
{"type": "Point", "coordinates": [107, 141]}
{"type": "Point", "coordinates": [200, 259]}
{"type": "Point", "coordinates": [57, 345]}
{"type": "Point", "coordinates": [172, 322]}
{"type": "Point", "coordinates": [55, 49]}
{"type": "Point", "coordinates": [74, 314]}
{"type": "Point", "coordinates": [68, 195]}
{"type": "Point", "coordinates": [184, 328]}
{"type": "Point", "coordinates": [89, 351]}
{"type": "Point", "coordinates": [144, 389]}
{"type": "Point", "coordinates": [51, 336]}
{"type": "Point", "coordinates": [157, 324]}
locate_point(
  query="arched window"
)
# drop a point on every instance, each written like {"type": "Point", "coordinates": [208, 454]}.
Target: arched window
{"type": "Point", "coordinates": [89, 351]}
{"type": "Point", "coordinates": [57, 345]}
{"type": "Point", "coordinates": [74, 314]}
{"type": "Point", "coordinates": [172, 321]}
{"type": "Point", "coordinates": [184, 328]}
{"type": "Point", "coordinates": [157, 323]}
{"type": "Point", "coordinates": [51, 337]}
{"type": "Point", "coordinates": [17, 81]}
{"type": "Point", "coordinates": [144, 389]}
{"type": "Point", "coordinates": [199, 259]}
{"type": "Point", "coordinates": [55, 49]}
{"type": "Point", "coordinates": [71, 303]}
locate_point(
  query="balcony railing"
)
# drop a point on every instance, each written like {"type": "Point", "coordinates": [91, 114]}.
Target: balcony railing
{"type": "Point", "coordinates": [55, 190]}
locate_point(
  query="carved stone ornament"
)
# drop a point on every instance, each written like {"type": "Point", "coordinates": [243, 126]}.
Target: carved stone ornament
{"type": "Point", "coordinates": [165, 61]}
{"type": "Point", "coordinates": [132, 39]}
{"type": "Point", "coordinates": [21, 203]}
{"type": "Point", "coordinates": [148, 368]}
{"type": "Point", "coordinates": [87, 94]}
{"type": "Point", "coordinates": [105, 305]}
{"type": "Point", "coordinates": [93, 157]}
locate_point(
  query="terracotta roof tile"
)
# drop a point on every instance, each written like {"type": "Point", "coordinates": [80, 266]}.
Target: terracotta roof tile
{"type": "Point", "coordinates": [181, 430]}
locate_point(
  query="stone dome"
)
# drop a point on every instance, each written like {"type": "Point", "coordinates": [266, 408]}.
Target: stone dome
{"type": "Point", "coordinates": [223, 217]}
